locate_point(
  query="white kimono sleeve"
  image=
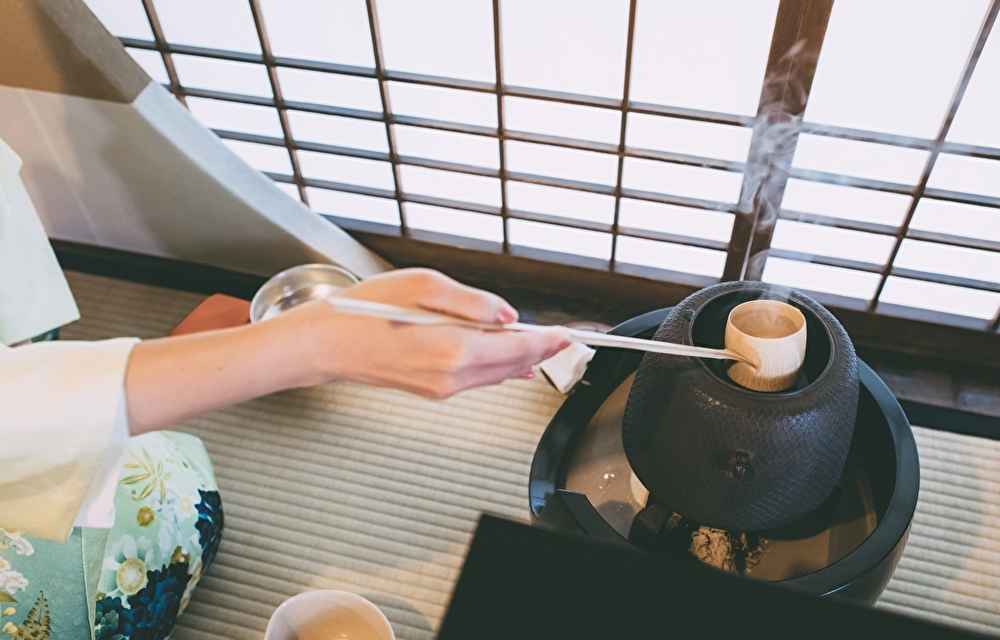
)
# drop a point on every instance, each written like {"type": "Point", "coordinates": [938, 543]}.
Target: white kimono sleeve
{"type": "Point", "coordinates": [63, 428]}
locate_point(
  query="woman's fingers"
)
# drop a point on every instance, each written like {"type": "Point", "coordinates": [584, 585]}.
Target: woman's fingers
{"type": "Point", "coordinates": [435, 361]}
{"type": "Point", "coordinates": [520, 350]}
{"type": "Point", "coordinates": [460, 359]}
{"type": "Point", "coordinates": [444, 295]}
{"type": "Point", "coordinates": [434, 291]}
{"type": "Point", "coordinates": [484, 376]}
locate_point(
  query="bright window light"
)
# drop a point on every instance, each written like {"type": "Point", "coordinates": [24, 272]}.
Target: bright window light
{"type": "Point", "coordinates": [330, 89]}
{"type": "Point", "coordinates": [861, 159]}
{"type": "Point", "coordinates": [885, 67]}
{"type": "Point", "coordinates": [940, 297]}
{"type": "Point", "coordinates": [567, 120]}
{"type": "Point", "coordinates": [151, 62]}
{"type": "Point", "coordinates": [565, 45]}
{"type": "Point", "coordinates": [468, 107]}
{"type": "Point", "coordinates": [352, 205]}
{"type": "Point", "coordinates": [248, 118]}
{"type": "Point", "coordinates": [845, 202]}
{"type": "Point", "coordinates": [447, 146]}
{"type": "Point", "coordinates": [356, 171]}
{"type": "Point", "coordinates": [688, 136]}
{"type": "Point", "coordinates": [438, 37]}
{"type": "Point", "coordinates": [122, 19]}
{"type": "Point", "coordinates": [219, 24]}
{"type": "Point", "coordinates": [335, 130]}
{"type": "Point", "coordinates": [673, 257]}
{"type": "Point", "coordinates": [263, 157]}
{"type": "Point", "coordinates": [447, 184]}
{"type": "Point", "coordinates": [559, 162]}
{"type": "Point", "coordinates": [976, 120]}
{"type": "Point", "coordinates": [702, 55]}
{"type": "Point", "coordinates": [876, 70]}
{"type": "Point", "coordinates": [829, 241]}
{"type": "Point", "coordinates": [290, 189]}
{"type": "Point", "coordinates": [954, 261]}
{"type": "Point", "coordinates": [666, 218]}
{"type": "Point", "coordinates": [681, 180]}
{"type": "Point", "coordinates": [454, 222]}
{"type": "Point", "coordinates": [550, 237]}
{"type": "Point", "coordinates": [244, 78]}
{"type": "Point", "coordinates": [957, 219]}
{"type": "Point", "coordinates": [320, 30]}
{"type": "Point", "coordinates": [961, 173]}
{"type": "Point", "coordinates": [580, 205]}
{"type": "Point", "coordinates": [821, 278]}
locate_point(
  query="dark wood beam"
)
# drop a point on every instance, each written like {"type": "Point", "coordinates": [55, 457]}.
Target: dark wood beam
{"type": "Point", "coordinates": [799, 30]}
{"type": "Point", "coordinates": [279, 99]}
{"type": "Point", "coordinates": [626, 89]}
{"type": "Point", "coordinates": [501, 126]}
{"type": "Point", "coordinates": [383, 90]}
{"type": "Point", "coordinates": [162, 47]}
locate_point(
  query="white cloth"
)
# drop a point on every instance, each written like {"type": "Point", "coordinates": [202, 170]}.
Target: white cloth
{"type": "Point", "coordinates": [63, 420]}
{"type": "Point", "coordinates": [567, 367]}
{"type": "Point", "coordinates": [64, 428]}
{"type": "Point", "coordinates": [34, 294]}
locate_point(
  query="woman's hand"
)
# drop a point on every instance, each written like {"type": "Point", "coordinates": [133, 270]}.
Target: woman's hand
{"type": "Point", "coordinates": [433, 361]}
{"type": "Point", "coordinates": [172, 379]}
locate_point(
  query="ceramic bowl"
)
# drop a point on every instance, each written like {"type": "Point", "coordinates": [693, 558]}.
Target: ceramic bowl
{"type": "Point", "coordinates": [328, 615]}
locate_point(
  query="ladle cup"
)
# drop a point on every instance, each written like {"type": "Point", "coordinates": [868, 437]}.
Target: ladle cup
{"type": "Point", "coordinates": [772, 335]}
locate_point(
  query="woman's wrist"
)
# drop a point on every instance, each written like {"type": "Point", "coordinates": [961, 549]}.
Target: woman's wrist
{"type": "Point", "coordinates": [305, 337]}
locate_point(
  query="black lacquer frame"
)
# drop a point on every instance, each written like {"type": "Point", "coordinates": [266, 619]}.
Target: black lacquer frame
{"type": "Point", "coordinates": [861, 575]}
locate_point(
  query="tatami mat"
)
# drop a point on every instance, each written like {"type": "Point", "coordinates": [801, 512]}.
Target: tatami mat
{"type": "Point", "coordinates": [377, 492]}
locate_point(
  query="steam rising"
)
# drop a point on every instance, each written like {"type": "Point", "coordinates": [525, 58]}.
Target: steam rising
{"type": "Point", "coordinates": [776, 132]}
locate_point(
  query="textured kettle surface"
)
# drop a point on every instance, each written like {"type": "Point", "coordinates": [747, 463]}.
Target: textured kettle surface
{"type": "Point", "coordinates": [729, 457]}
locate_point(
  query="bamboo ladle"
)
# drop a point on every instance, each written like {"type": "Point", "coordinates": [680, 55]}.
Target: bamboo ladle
{"type": "Point", "coordinates": [592, 338]}
{"type": "Point", "coordinates": [772, 334]}
{"type": "Point", "coordinates": [765, 338]}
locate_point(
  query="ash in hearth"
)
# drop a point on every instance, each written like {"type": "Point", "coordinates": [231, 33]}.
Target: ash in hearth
{"type": "Point", "coordinates": [733, 552]}
{"type": "Point", "coordinates": [658, 529]}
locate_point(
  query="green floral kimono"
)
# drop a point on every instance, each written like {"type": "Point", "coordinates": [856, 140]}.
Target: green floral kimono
{"type": "Point", "coordinates": [129, 582]}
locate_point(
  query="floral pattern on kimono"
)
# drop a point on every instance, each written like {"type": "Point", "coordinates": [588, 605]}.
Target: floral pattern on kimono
{"type": "Point", "coordinates": [167, 531]}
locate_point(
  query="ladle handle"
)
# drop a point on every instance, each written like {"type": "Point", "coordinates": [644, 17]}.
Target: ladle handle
{"type": "Point", "coordinates": [592, 338]}
{"type": "Point", "coordinates": [596, 339]}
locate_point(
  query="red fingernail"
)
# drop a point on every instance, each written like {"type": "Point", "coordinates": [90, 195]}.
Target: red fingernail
{"type": "Point", "coordinates": [528, 376]}
{"type": "Point", "coordinates": [506, 315]}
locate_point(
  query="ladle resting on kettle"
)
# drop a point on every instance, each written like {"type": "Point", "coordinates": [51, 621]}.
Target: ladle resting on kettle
{"type": "Point", "coordinates": [766, 338]}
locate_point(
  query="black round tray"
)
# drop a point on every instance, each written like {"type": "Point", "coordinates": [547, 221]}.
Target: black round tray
{"type": "Point", "coordinates": [860, 575]}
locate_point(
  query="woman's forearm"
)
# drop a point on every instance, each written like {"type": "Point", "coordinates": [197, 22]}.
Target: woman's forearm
{"type": "Point", "coordinates": [171, 379]}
